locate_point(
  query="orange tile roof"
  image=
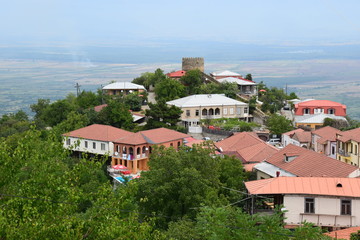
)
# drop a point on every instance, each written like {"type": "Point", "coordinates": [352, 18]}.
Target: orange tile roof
{"type": "Point", "coordinates": [309, 163]}
{"type": "Point", "coordinates": [99, 132]}
{"type": "Point", "coordinates": [153, 136]}
{"type": "Point", "coordinates": [247, 146]}
{"type": "Point", "coordinates": [326, 134]}
{"type": "Point", "coordinates": [343, 233]}
{"type": "Point", "coordinates": [325, 186]}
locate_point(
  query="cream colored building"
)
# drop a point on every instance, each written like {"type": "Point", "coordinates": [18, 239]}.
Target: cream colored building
{"type": "Point", "coordinates": [306, 199]}
{"type": "Point", "coordinates": [209, 106]}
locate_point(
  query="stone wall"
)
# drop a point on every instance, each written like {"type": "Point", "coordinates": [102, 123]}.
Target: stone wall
{"type": "Point", "coordinates": [193, 63]}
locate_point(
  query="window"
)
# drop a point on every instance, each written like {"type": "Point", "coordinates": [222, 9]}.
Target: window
{"type": "Point", "coordinates": [94, 145]}
{"type": "Point", "coordinates": [332, 150]}
{"type": "Point", "coordinates": [309, 205]}
{"type": "Point", "coordinates": [225, 111]}
{"type": "Point", "coordinates": [196, 112]}
{"type": "Point", "coordinates": [331, 111]}
{"type": "Point", "coordinates": [318, 110]}
{"type": "Point", "coordinates": [231, 110]}
{"type": "Point", "coordinates": [188, 113]}
{"type": "Point", "coordinates": [103, 146]}
{"type": "Point", "coordinates": [68, 141]}
{"type": "Point", "coordinates": [307, 111]}
{"type": "Point", "coordinates": [86, 144]}
{"type": "Point", "coordinates": [345, 207]}
{"type": "Point", "coordinates": [246, 110]}
{"type": "Point", "coordinates": [204, 112]}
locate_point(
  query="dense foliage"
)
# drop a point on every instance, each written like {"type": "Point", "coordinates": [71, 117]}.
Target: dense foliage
{"type": "Point", "coordinates": [231, 124]}
{"type": "Point", "coordinates": [45, 193]}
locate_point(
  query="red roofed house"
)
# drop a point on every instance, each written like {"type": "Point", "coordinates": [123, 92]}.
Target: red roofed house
{"type": "Point", "coordinates": [247, 147]}
{"type": "Point", "coordinates": [298, 137]}
{"type": "Point", "coordinates": [133, 150]}
{"type": "Point", "coordinates": [313, 112]}
{"type": "Point", "coordinates": [286, 138]}
{"type": "Point", "coordinates": [343, 233]}
{"type": "Point", "coordinates": [320, 106]}
{"type": "Point", "coordinates": [177, 74]}
{"type": "Point", "coordinates": [324, 201]}
{"type": "Point", "coordinates": [323, 140]}
{"type": "Point", "coordinates": [348, 143]}
{"type": "Point", "coordinates": [95, 139]}
{"type": "Point", "coordinates": [294, 161]}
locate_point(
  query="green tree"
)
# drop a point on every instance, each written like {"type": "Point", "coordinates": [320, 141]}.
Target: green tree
{"type": "Point", "coordinates": [88, 99]}
{"type": "Point", "coordinates": [162, 115]}
{"type": "Point", "coordinates": [169, 89]}
{"type": "Point", "coordinates": [116, 114]}
{"type": "Point", "coordinates": [192, 81]}
{"type": "Point", "coordinates": [278, 124]}
{"type": "Point", "coordinates": [134, 101]}
{"type": "Point", "coordinates": [57, 112]}
{"type": "Point", "coordinates": [179, 182]}
{"type": "Point", "coordinates": [39, 110]}
{"type": "Point", "coordinates": [248, 77]}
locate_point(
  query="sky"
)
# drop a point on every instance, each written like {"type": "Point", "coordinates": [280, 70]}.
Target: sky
{"type": "Point", "coordinates": [144, 22]}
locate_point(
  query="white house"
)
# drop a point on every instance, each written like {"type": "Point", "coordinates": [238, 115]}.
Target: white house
{"type": "Point", "coordinates": [123, 88]}
{"type": "Point", "coordinates": [94, 139]}
{"type": "Point", "coordinates": [209, 106]}
{"type": "Point", "coordinates": [323, 201]}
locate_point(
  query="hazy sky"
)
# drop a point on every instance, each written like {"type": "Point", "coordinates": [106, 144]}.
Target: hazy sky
{"type": "Point", "coordinates": [122, 21]}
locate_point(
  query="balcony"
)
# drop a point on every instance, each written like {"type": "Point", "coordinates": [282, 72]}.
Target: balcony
{"type": "Point", "coordinates": [343, 153]}
{"type": "Point", "coordinates": [131, 156]}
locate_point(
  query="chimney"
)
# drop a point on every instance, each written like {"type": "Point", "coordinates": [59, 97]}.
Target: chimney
{"type": "Point", "coordinates": [277, 173]}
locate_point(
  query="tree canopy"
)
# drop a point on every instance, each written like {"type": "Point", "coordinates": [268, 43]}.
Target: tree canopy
{"type": "Point", "coordinates": [278, 124]}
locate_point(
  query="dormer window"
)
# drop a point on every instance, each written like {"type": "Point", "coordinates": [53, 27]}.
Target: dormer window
{"type": "Point", "coordinates": [331, 111]}
{"type": "Point", "coordinates": [306, 110]}
{"type": "Point", "coordinates": [318, 110]}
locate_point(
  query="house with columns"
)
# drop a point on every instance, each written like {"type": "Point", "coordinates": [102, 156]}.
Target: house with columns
{"type": "Point", "coordinates": [133, 151]}
{"type": "Point", "coordinates": [209, 106]}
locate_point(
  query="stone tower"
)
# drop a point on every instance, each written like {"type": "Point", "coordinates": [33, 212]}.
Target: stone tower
{"type": "Point", "coordinates": [193, 63]}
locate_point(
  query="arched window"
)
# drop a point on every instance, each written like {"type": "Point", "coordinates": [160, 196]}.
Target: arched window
{"type": "Point", "coordinates": [150, 150]}
{"type": "Point", "coordinates": [138, 151]}
{"type": "Point", "coordinates": [171, 145]}
{"type": "Point", "coordinates": [144, 149]}
{"type": "Point", "coordinates": [211, 111]}
{"type": "Point", "coordinates": [331, 111]}
{"type": "Point", "coordinates": [204, 112]}
{"type": "Point", "coordinates": [124, 150]}
{"type": "Point", "coordinates": [217, 111]}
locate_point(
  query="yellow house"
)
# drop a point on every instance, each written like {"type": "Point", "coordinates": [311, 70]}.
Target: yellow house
{"type": "Point", "coordinates": [314, 121]}
{"type": "Point", "coordinates": [348, 143]}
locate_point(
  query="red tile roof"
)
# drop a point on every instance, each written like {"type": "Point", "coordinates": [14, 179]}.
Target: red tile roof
{"type": "Point", "coordinates": [247, 146]}
{"type": "Point", "coordinates": [320, 103]}
{"type": "Point", "coordinates": [176, 74]}
{"type": "Point", "coordinates": [343, 233]}
{"type": "Point", "coordinates": [309, 163]}
{"type": "Point", "coordinates": [353, 134]}
{"type": "Point", "coordinates": [153, 136]}
{"type": "Point", "coordinates": [290, 133]}
{"type": "Point", "coordinates": [302, 137]}
{"type": "Point", "coordinates": [99, 132]}
{"type": "Point", "coordinates": [326, 134]}
{"type": "Point", "coordinates": [100, 107]}
{"type": "Point", "coordinates": [325, 186]}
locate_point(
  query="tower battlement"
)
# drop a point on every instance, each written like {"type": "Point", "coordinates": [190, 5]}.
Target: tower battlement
{"type": "Point", "coordinates": [190, 63]}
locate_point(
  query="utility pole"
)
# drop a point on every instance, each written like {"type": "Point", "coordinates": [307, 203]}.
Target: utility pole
{"type": "Point", "coordinates": [77, 86]}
